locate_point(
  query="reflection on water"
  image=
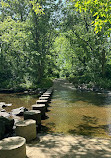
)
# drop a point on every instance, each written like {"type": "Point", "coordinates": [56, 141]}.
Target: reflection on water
{"type": "Point", "coordinates": [71, 111]}
{"type": "Point", "coordinates": [18, 100]}
{"type": "Point", "coordinates": [75, 112]}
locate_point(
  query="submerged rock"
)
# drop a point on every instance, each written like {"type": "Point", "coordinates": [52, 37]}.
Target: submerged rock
{"type": "Point", "coordinates": [4, 114]}
{"type": "Point", "coordinates": [2, 110]}
{"type": "Point", "coordinates": [3, 104]}
{"type": "Point", "coordinates": [8, 104]}
{"type": "Point", "coordinates": [19, 111]}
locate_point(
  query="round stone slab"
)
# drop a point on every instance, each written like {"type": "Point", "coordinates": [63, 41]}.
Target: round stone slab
{"type": "Point", "coordinates": [40, 107]}
{"type": "Point", "coordinates": [33, 114]}
{"type": "Point", "coordinates": [13, 147]}
{"type": "Point", "coordinates": [45, 95]}
{"type": "Point", "coordinates": [43, 98]}
{"type": "Point", "coordinates": [26, 129]}
{"type": "Point", "coordinates": [41, 101]}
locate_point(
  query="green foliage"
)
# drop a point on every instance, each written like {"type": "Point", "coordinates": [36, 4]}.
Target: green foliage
{"type": "Point", "coordinates": [104, 83]}
{"type": "Point", "coordinates": [101, 11]}
{"type": "Point", "coordinates": [83, 55]}
{"type": "Point", "coordinates": [46, 39]}
{"type": "Point", "coordinates": [26, 38]}
{"type": "Point", "coordinates": [37, 7]}
{"type": "Point", "coordinates": [45, 83]}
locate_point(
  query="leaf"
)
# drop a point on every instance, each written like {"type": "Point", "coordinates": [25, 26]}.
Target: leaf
{"type": "Point", "coordinates": [4, 4]}
{"type": "Point", "coordinates": [95, 14]}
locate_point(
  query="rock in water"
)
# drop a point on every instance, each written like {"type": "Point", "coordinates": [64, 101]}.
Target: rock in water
{"type": "Point", "coordinates": [8, 104]}
{"type": "Point", "coordinates": [19, 111]}
{"type": "Point", "coordinates": [3, 104]}
{"type": "Point", "coordinates": [4, 114]}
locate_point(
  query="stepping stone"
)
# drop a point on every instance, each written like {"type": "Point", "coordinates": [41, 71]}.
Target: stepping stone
{"type": "Point", "coordinates": [43, 98]}
{"type": "Point", "coordinates": [33, 114]}
{"type": "Point", "coordinates": [47, 93]}
{"type": "Point", "coordinates": [42, 102]}
{"type": "Point", "coordinates": [26, 129]}
{"type": "Point", "coordinates": [13, 147]}
{"type": "Point", "coordinates": [40, 107]}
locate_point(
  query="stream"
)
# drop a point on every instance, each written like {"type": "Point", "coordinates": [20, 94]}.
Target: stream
{"type": "Point", "coordinates": [70, 111]}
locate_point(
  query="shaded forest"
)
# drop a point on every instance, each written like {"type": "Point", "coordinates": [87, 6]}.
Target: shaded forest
{"type": "Point", "coordinates": [43, 40]}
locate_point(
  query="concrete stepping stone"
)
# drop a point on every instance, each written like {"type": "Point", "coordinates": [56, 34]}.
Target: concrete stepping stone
{"type": "Point", "coordinates": [43, 98]}
{"type": "Point", "coordinates": [26, 129]}
{"type": "Point", "coordinates": [13, 147]}
{"type": "Point", "coordinates": [45, 95]}
{"type": "Point", "coordinates": [33, 114]}
{"type": "Point", "coordinates": [42, 102]}
{"type": "Point", "coordinates": [40, 107]}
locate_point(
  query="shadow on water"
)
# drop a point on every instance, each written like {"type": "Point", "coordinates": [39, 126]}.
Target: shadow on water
{"type": "Point", "coordinates": [89, 127]}
{"type": "Point", "coordinates": [48, 128]}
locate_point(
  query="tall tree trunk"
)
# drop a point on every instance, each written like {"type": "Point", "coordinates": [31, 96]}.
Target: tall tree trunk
{"type": "Point", "coordinates": [103, 62]}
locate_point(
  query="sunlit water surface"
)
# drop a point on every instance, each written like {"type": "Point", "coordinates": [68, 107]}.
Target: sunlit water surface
{"type": "Point", "coordinates": [71, 111]}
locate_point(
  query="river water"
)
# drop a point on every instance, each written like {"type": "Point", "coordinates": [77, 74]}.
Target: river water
{"type": "Point", "coordinates": [71, 111]}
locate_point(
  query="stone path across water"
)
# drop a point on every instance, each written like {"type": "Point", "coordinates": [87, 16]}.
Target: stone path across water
{"type": "Point", "coordinates": [68, 146]}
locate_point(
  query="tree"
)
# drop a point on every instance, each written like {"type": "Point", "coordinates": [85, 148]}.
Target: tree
{"type": "Point", "coordinates": [86, 59]}
{"type": "Point", "coordinates": [26, 37]}
{"type": "Point", "coordinates": [101, 11]}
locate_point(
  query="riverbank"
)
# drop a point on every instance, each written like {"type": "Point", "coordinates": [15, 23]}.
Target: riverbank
{"type": "Point", "coordinates": [29, 89]}
{"type": "Point", "coordinates": [67, 146]}
{"type": "Point", "coordinates": [101, 85]}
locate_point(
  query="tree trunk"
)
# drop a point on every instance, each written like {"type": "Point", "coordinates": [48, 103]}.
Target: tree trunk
{"type": "Point", "coordinates": [103, 62]}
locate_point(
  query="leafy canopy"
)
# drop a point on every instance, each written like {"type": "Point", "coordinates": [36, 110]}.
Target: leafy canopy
{"type": "Point", "coordinates": [101, 10]}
